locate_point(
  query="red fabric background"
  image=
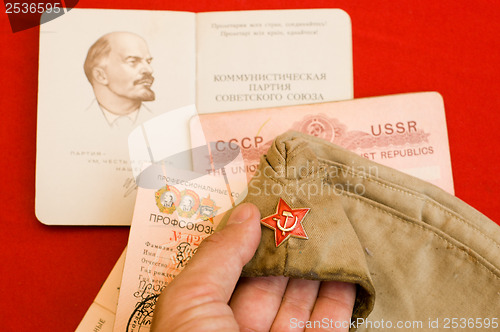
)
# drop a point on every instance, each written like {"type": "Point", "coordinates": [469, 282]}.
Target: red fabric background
{"type": "Point", "coordinates": [50, 275]}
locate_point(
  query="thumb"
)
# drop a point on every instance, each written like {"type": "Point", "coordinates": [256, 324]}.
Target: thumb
{"type": "Point", "coordinates": [214, 270]}
{"type": "Point", "coordinates": [221, 257]}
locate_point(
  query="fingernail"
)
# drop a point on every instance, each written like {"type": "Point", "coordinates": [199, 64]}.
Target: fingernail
{"type": "Point", "coordinates": [240, 214]}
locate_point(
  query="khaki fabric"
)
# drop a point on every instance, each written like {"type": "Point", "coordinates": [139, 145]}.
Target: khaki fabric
{"type": "Point", "coordinates": [425, 254]}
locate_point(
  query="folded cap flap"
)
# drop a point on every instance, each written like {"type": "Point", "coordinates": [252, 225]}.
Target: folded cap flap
{"type": "Point", "coordinates": [317, 244]}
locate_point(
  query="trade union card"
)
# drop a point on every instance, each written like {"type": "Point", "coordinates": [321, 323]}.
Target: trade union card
{"type": "Point", "coordinates": [176, 208]}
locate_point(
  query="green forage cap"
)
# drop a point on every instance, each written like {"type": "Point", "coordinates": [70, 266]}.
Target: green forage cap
{"type": "Point", "coordinates": [322, 244]}
{"type": "Point", "coordinates": [330, 214]}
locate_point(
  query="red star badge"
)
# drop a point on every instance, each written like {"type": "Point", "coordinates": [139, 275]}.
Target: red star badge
{"type": "Point", "coordinates": [286, 222]}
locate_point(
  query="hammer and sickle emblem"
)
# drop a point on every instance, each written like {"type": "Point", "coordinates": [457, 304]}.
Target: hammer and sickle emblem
{"type": "Point", "coordinates": [283, 229]}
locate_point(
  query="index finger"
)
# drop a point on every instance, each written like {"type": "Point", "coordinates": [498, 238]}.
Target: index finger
{"type": "Point", "coordinates": [334, 304]}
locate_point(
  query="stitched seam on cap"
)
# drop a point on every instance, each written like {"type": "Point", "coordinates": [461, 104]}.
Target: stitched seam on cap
{"type": "Point", "coordinates": [475, 261]}
{"type": "Point", "coordinates": [300, 147]}
{"type": "Point", "coordinates": [297, 181]}
{"type": "Point", "coordinates": [424, 198]}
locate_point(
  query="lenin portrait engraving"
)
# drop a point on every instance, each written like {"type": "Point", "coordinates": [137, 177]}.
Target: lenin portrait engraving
{"type": "Point", "coordinates": [118, 67]}
{"type": "Point", "coordinates": [103, 73]}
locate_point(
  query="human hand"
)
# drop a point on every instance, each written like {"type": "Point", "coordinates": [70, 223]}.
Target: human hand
{"type": "Point", "coordinates": [207, 296]}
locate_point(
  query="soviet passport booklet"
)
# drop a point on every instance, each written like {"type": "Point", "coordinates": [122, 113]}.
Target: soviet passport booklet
{"type": "Point", "coordinates": [103, 73]}
{"type": "Point", "coordinates": [405, 131]}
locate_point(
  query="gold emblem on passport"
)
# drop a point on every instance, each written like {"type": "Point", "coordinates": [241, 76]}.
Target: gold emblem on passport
{"type": "Point", "coordinates": [286, 222]}
{"type": "Point", "coordinates": [167, 198]}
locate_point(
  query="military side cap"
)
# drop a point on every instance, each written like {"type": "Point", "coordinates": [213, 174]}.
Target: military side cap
{"type": "Point", "coordinates": [329, 214]}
